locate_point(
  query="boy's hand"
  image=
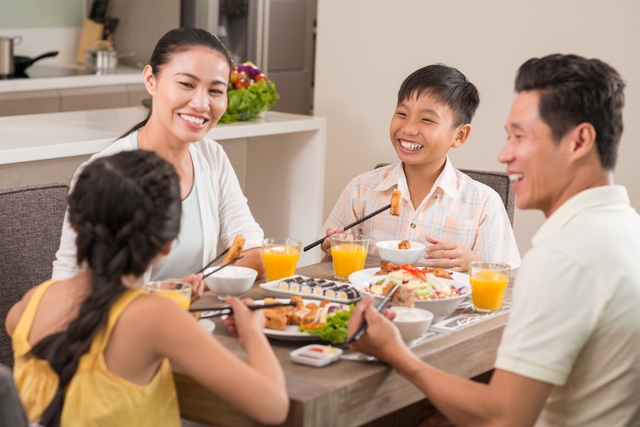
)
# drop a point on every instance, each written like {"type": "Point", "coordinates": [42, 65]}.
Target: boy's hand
{"type": "Point", "coordinates": [448, 254]}
{"type": "Point", "coordinates": [326, 245]}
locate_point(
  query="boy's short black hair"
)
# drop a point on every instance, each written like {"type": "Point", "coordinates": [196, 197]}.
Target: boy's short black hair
{"type": "Point", "coordinates": [446, 85]}
{"type": "Point", "coordinates": [576, 90]}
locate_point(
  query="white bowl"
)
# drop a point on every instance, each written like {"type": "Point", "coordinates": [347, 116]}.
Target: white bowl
{"type": "Point", "coordinates": [388, 250]}
{"type": "Point", "coordinates": [440, 308]}
{"type": "Point", "coordinates": [412, 322]}
{"type": "Point", "coordinates": [232, 280]}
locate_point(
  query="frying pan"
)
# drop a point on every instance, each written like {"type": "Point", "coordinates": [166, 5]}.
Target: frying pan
{"type": "Point", "coordinates": [21, 63]}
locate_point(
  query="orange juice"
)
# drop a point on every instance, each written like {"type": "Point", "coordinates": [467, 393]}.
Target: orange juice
{"type": "Point", "coordinates": [280, 261]}
{"type": "Point", "coordinates": [347, 258]}
{"type": "Point", "coordinates": [182, 298]}
{"type": "Point", "coordinates": [487, 289]}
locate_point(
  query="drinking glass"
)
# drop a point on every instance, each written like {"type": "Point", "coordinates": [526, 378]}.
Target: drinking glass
{"type": "Point", "coordinates": [349, 251]}
{"type": "Point", "coordinates": [488, 283]}
{"type": "Point", "coordinates": [177, 291]}
{"type": "Point", "coordinates": [280, 257]}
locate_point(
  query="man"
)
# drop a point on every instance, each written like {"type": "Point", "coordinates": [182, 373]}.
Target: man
{"type": "Point", "coordinates": [570, 355]}
{"type": "Point", "coordinates": [462, 220]}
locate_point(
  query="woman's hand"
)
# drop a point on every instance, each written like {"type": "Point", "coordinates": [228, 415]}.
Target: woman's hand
{"type": "Point", "coordinates": [448, 254]}
{"type": "Point", "coordinates": [198, 285]}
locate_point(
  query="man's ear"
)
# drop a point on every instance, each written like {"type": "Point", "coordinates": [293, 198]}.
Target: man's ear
{"type": "Point", "coordinates": [461, 135]}
{"type": "Point", "coordinates": [583, 141]}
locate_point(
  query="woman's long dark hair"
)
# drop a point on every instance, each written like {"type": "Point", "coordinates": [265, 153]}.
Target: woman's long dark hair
{"type": "Point", "coordinates": [125, 208]}
{"type": "Point", "coordinates": [176, 41]}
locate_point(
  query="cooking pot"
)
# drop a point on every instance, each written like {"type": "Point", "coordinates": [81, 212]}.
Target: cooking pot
{"type": "Point", "coordinates": [23, 62]}
{"type": "Point", "coordinates": [7, 66]}
{"type": "Point", "coordinates": [103, 59]}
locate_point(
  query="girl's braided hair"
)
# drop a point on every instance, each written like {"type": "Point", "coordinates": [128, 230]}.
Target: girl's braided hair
{"type": "Point", "coordinates": [124, 208]}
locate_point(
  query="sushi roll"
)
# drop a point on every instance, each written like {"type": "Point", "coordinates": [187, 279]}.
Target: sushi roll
{"type": "Point", "coordinates": [347, 293]}
{"type": "Point", "coordinates": [319, 288]}
{"type": "Point", "coordinates": [330, 292]}
{"type": "Point", "coordinates": [305, 289]}
{"type": "Point", "coordinates": [294, 286]}
{"type": "Point", "coordinates": [283, 285]}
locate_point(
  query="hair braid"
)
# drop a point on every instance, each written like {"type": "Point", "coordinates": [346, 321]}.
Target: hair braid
{"type": "Point", "coordinates": [125, 208]}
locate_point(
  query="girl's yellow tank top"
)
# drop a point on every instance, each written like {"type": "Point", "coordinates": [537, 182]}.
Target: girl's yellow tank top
{"type": "Point", "coordinates": [95, 396]}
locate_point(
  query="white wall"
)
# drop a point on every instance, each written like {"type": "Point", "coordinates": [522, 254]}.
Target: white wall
{"type": "Point", "coordinates": [365, 48]}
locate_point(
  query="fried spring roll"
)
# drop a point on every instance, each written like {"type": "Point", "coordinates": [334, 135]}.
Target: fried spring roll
{"type": "Point", "coordinates": [236, 248]}
{"type": "Point", "coordinates": [396, 201]}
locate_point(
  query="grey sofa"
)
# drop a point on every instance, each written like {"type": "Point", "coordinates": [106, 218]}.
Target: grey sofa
{"type": "Point", "coordinates": [31, 219]}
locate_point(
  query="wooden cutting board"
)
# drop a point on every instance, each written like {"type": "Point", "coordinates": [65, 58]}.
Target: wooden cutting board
{"type": "Point", "coordinates": [91, 32]}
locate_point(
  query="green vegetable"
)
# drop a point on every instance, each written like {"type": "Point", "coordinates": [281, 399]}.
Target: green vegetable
{"type": "Point", "coordinates": [246, 103]}
{"type": "Point", "coordinates": [335, 329]}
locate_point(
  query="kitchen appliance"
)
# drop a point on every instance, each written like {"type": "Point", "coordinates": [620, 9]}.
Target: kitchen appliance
{"type": "Point", "coordinates": [277, 35]}
{"type": "Point", "coordinates": [21, 63]}
{"type": "Point", "coordinates": [7, 60]}
{"type": "Point", "coordinates": [103, 59]}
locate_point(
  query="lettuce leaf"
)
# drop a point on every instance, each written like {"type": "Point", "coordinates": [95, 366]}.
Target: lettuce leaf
{"type": "Point", "coordinates": [335, 329]}
{"type": "Point", "coordinates": [246, 103]}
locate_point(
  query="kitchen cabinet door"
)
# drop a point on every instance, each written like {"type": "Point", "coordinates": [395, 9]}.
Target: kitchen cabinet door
{"type": "Point", "coordinates": [36, 102]}
{"type": "Point", "coordinates": [93, 98]}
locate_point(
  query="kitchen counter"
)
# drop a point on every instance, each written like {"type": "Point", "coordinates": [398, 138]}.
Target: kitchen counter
{"type": "Point", "coordinates": [70, 77]}
{"type": "Point", "coordinates": [278, 158]}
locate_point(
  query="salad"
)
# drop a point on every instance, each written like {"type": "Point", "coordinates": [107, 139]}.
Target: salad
{"type": "Point", "coordinates": [332, 323]}
{"type": "Point", "coordinates": [423, 284]}
{"type": "Point", "coordinates": [250, 92]}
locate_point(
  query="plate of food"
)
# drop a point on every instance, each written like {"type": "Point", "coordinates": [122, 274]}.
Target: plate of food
{"type": "Point", "coordinates": [436, 290]}
{"type": "Point", "coordinates": [308, 320]}
{"type": "Point", "coordinates": [369, 275]}
{"type": "Point", "coordinates": [307, 287]}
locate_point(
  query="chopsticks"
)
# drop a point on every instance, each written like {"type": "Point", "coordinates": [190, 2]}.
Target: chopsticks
{"type": "Point", "coordinates": [363, 327]}
{"type": "Point", "coordinates": [353, 224]}
{"type": "Point", "coordinates": [216, 259]}
{"type": "Point", "coordinates": [233, 261]}
{"type": "Point", "coordinates": [222, 311]}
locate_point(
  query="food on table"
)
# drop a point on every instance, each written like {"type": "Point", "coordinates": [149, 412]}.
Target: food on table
{"type": "Point", "coordinates": [235, 249]}
{"type": "Point", "coordinates": [404, 244]}
{"type": "Point", "coordinates": [318, 287]}
{"type": "Point", "coordinates": [422, 283]}
{"type": "Point", "coordinates": [324, 318]}
{"type": "Point", "coordinates": [396, 201]}
{"type": "Point", "coordinates": [310, 315]}
{"type": "Point", "coordinates": [387, 267]}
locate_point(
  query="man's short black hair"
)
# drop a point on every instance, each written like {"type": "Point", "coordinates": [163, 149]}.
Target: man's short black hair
{"type": "Point", "coordinates": [576, 90]}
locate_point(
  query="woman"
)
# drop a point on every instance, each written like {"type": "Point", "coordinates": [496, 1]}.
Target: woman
{"type": "Point", "coordinates": [94, 350]}
{"type": "Point", "coordinates": [187, 79]}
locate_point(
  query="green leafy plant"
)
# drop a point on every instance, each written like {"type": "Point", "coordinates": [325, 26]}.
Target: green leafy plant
{"type": "Point", "coordinates": [335, 329]}
{"type": "Point", "coordinates": [246, 103]}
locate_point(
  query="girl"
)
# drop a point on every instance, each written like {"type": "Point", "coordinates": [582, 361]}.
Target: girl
{"type": "Point", "coordinates": [94, 350]}
{"type": "Point", "coordinates": [187, 78]}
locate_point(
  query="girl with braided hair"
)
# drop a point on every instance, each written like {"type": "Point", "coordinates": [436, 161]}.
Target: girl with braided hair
{"type": "Point", "coordinates": [187, 78]}
{"type": "Point", "coordinates": [94, 350]}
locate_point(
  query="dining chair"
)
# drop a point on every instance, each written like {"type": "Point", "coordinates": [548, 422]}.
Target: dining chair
{"type": "Point", "coordinates": [31, 219]}
{"type": "Point", "coordinates": [11, 410]}
{"type": "Point", "coordinates": [499, 181]}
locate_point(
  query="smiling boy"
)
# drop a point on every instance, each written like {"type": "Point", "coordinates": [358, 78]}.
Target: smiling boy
{"type": "Point", "coordinates": [461, 219]}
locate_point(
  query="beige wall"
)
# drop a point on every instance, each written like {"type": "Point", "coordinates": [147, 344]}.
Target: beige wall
{"type": "Point", "coordinates": [365, 48]}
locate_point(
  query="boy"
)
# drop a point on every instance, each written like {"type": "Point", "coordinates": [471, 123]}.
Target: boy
{"type": "Point", "coordinates": [461, 219]}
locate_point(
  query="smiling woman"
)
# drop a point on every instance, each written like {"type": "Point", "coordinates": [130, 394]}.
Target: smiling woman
{"type": "Point", "coordinates": [187, 78]}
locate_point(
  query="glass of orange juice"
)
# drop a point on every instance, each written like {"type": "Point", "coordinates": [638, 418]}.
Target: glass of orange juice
{"type": "Point", "coordinates": [488, 283]}
{"type": "Point", "coordinates": [178, 291]}
{"type": "Point", "coordinates": [349, 251]}
{"type": "Point", "coordinates": [280, 257]}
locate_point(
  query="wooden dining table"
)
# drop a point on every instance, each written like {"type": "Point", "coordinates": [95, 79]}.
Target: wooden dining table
{"type": "Point", "coordinates": [349, 392]}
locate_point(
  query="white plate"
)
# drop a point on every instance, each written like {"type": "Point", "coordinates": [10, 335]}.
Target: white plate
{"type": "Point", "coordinates": [207, 325]}
{"type": "Point", "coordinates": [368, 276]}
{"type": "Point", "coordinates": [291, 332]}
{"type": "Point", "coordinates": [272, 289]}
